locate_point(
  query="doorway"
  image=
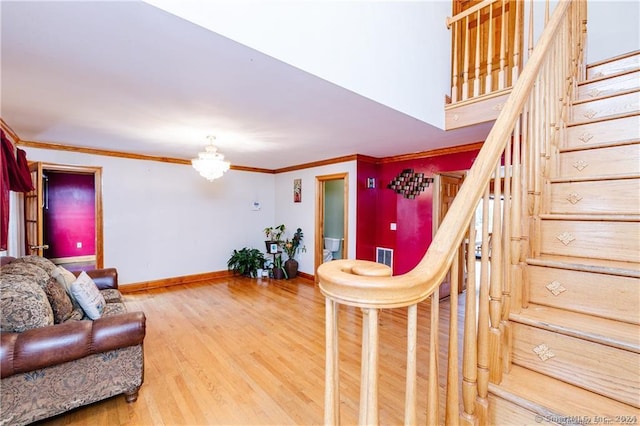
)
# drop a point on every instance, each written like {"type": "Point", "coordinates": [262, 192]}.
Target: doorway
{"type": "Point", "coordinates": [332, 200]}
{"type": "Point", "coordinates": [63, 215]}
{"type": "Point", "coordinates": [446, 187]}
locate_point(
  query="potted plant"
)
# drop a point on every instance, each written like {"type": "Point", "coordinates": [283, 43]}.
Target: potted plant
{"type": "Point", "coordinates": [246, 261]}
{"type": "Point", "coordinates": [292, 247]}
{"type": "Point", "coordinates": [273, 235]}
{"type": "Point", "coordinates": [279, 271]}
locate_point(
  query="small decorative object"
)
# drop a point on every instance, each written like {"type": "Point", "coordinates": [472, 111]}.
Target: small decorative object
{"type": "Point", "coordinates": [543, 352]}
{"type": "Point", "coordinates": [292, 247]}
{"type": "Point", "coordinates": [273, 235]}
{"type": "Point", "coordinates": [297, 190]}
{"type": "Point", "coordinates": [409, 184]}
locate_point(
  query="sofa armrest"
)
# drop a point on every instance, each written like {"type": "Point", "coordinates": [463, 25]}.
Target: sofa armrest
{"type": "Point", "coordinates": [104, 278]}
{"type": "Point", "coordinates": [56, 344]}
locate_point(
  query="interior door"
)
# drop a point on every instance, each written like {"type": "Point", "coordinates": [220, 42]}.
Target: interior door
{"type": "Point", "coordinates": [33, 204]}
{"type": "Point", "coordinates": [448, 185]}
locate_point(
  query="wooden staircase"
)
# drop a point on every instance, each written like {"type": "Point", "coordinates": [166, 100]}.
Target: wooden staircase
{"type": "Point", "coordinates": [575, 340]}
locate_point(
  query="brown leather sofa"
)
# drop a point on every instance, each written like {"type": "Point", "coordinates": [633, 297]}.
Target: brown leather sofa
{"type": "Point", "coordinates": [51, 369]}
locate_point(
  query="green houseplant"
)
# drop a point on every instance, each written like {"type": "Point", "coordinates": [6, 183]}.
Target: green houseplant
{"type": "Point", "coordinates": [292, 246]}
{"type": "Point", "coordinates": [246, 261]}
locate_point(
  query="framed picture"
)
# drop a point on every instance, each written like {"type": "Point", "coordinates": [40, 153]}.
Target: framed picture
{"type": "Point", "coordinates": [297, 190]}
{"type": "Point", "coordinates": [273, 248]}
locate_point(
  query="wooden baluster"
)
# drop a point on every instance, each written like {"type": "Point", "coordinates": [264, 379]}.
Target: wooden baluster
{"type": "Point", "coordinates": [410, 399]}
{"type": "Point", "coordinates": [465, 69]}
{"type": "Point", "coordinates": [452, 413]}
{"type": "Point", "coordinates": [503, 49]}
{"type": "Point", "coordinates": [483, 316]}
{"type": "Point", "coordinates": [525, 212]}
{"type": "Point", "coordinates": [489, 78]}
{"type": "Point", "coordinates": [470, 348]}
{"type": "Point", "coordinates": [433, 390]}
{"type": "Point", "coordinates": [516, 219]}
{"type": "Point", "coordinates": [495, 291]}
{"type": "Point", "coordinates": [530, 41]}
{"type": "Point", "coordinates": [476, 80]}
{"type": "Point", "coordinates": [454, 77]}
{"type": "Point", "coordinates": [515, 70]}
{"type": "Point", "coordinates": [506, 258]}
{"type": "Point", "coordinates": [332, 371]}
{"type": "Point", "coordinates": [369, 369]}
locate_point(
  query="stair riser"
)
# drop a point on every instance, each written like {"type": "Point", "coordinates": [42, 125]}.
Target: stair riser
{"type": "Point", "coordinates": [614, 67]}
{"type": "Point", "coordinates": [618, 196]}
{"type": "Point", "coordinates": [597, 162]}
{"type": "Point", "coordinates": [603, 369]}
{"type": "Point", "coordinates": [609, 86]}
{"type": "Point", "coordinates": [599, 108]}
{"type": "Point", "coordinates": [595, 134]}
{"type": "Point", "coordinates": [582, 292]}
{"type": "Point", "coordinates": [591, 239]}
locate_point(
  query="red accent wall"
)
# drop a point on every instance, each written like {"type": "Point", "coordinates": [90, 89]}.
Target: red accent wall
{"type": "Point", "coordinates": [378, 208]}
{"type": "Point", "coordinates": [70, 216]}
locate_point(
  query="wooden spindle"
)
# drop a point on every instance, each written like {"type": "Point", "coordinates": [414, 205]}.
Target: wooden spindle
{"type": "Point", "coordinates": [452, 413]}
{"type": "Point", "coordinates": [433, 390]}
{"type": "Point", "coordinates": [410, 399]}
{"type": "Point", "coordinates": [470, 344]}
{"type": "Point", "coordinates": [483, 315]}
{"type": "Point", "coordinates": [515, 70]}
{"type": "Point", "coordinates": [503, 49]}
{"type": "Point", "coordinates": [489, 78]}
{"type": "Point", "coordinates": [332, 370]}
{"type": "Point", "coordinates": [495, 290]}
{"type": "Point", "coordinates": [454, 66]}
{"type": "Point", "coordinates": [476, 80]}
{"type": "Point", "coordinates": [516, 221]}
{"type": "Point", "coordinates": [530, 41]}
{"type": "Point", "coordinates": [369, 369]}
{"type": "Point", "coordinates": [465, 68]}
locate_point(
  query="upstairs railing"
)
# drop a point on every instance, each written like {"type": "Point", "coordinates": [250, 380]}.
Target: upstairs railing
{"type": "Point", "coordinates": [510, 167]}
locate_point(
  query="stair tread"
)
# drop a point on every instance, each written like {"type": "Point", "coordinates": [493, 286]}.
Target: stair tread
{"type": "Point", "coordinates": [601, 266]}
{"type": "Point", "coordinates": [603, 118]}
{"type": "Point", "coordinates": [588, 327]}
{"type": "Point", "coordinates": [605, 96]}
{"type": "Point", "coordinates": [608, 76]}
{"type": "Point", "coordinates": [599, 146]}
{"type": "Point", "coordinates": [547, 396]}
{"type": "Point", "coordinates": [591, 178]}
{"type": "Point", "coordinates": [599, 217]}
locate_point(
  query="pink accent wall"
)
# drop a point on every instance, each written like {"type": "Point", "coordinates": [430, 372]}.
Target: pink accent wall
{"type": "Point", "coordinates": [378, 208]}
{"type": "Point", "coordinates": [70, 217]}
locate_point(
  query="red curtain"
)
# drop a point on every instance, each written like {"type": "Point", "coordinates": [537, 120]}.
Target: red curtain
{"type": "Point", "coordinates": [15, 177]}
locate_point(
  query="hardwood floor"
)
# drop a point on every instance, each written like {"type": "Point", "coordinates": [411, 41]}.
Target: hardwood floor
{"type": "Point", "coordinates": [251, 352]}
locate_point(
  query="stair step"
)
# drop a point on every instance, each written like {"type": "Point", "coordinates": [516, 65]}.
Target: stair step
{"type": "Point", "coordinates": [615, 65]}
{"type": "Point", "coordinates": [603, 132]}
{"type": "Point", "coordinates": [597, 162]}
{"type": "Point", "coordinates": [606, 106]}
{"type": "Point", "coordinates": [611, 196]}
{"type": "Point", "coordinates": [581, 291]}
{"type": "Point", "coordinates": [534, 398]}
{"type": "Point", "coordinates": [597, 266]}
{"type": "Point", "coordinates": [606, 85]}
{"type": "Point", "coordinates": [579, 349]}
{"type": "Point", "coordinates": [598, 237]}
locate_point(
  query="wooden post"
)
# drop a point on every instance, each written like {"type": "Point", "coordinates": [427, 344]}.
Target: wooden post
{"type": "Point", "coordinates": [332, 373]}
{"type": "Point", "coordinates": [410, 392]}
{"type": "Point", "coordinates": [452, 413]}
{"type": "Point", "coordinates": [369, 369]}
{"type": "Point", "coordinates": [470, 348]}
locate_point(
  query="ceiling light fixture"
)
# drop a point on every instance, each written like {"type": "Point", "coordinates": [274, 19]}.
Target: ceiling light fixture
{"type": "Point", "coordinates": [210, 164]}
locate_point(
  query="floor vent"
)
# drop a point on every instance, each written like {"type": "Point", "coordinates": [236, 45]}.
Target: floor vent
{"type": "Point", "coordinates": [384, 256]}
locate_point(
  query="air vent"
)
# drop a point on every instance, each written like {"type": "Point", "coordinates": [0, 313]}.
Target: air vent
{"type": "Point", "coordinates": [384, 256]}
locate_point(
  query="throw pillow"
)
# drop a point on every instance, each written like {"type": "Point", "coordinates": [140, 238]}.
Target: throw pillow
{"type": "Point", "coordinates": [23, 304]}
{"type": "Point", "coordinates": [88, 296]}
{"type": "Point", "coordinates": [59, 300]}
{"type": "Point", "coordinates": [64, 277]}
{"type": "Point", "coordinates": [40, 262]}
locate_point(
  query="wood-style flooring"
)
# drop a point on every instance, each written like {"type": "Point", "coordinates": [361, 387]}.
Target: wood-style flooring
{"type": "Point", "coordinates": [241, 351]}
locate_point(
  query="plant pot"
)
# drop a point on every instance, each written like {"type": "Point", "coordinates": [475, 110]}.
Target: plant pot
{"type": "Point", "coordinates": [291, 266]}
{"type": "Point", "coordinates": [278, 274]}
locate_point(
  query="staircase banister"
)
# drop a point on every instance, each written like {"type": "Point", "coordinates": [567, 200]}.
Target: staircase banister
{"type": "Point", "coordinates": [363, 284]}
{"type": "Point", "coordinates": [470, 11]}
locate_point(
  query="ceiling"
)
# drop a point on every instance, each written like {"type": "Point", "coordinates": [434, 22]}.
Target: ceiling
{"type": "Point", "coordinates": [127, 76]}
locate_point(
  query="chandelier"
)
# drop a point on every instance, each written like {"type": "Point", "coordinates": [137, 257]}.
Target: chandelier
{"type": "Point", "coordinates": [210, 164]}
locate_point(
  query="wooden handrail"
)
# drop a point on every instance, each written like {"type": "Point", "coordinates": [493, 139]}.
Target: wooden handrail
{"type": "Point", "coordinates": [360, 283]}
{"type": "Point", "coordinates": [460, 16]}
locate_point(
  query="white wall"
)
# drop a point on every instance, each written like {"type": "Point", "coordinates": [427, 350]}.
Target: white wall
{"type": "Point", "coordinates": [612, 28]}
{"type": "Point", "coordinates": [394, 52]}
{"type": "Point", "coordinates": [302, 215]}
{"type": "Point", "coordinates": [163, 220]}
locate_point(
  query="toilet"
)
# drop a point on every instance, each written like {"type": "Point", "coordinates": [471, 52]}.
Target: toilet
{"type": "Point", "coordinates": [330, 245]}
